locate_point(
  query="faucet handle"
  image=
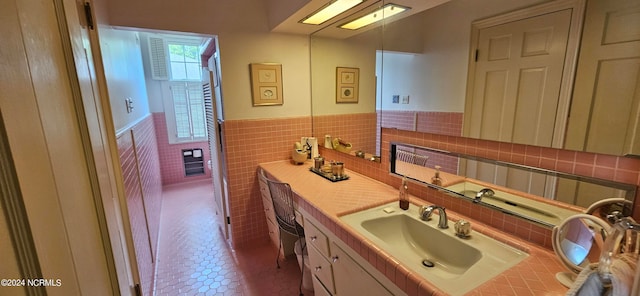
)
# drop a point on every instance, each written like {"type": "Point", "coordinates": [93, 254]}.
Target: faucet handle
{"type": "Point", "coordinates": [463, 228]}
{"type": "Point", "coordinates": [425, 212]}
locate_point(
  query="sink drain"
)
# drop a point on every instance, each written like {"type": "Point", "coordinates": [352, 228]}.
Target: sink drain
{"type": "Point", "coordinates": [427, 263]}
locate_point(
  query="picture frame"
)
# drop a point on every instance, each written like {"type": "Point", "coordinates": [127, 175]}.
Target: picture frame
{"type": "Point", "coordinates": [266, 84]}
{"type": "Point", "coordinates": [347, 83]}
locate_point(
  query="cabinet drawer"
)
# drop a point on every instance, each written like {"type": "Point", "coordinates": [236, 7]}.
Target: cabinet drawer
{"type": "Point", "coordinates": [318, 288]}
{"type": "Point", "coordinates": [317, 239]}
{"type": "Point", "coordinates": [321, 268]}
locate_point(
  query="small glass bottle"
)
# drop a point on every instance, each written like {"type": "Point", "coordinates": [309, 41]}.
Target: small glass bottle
{"type": "Point", "coordinates": [404, 194]}
{"type": "Point", "coordinates": [436, 180]}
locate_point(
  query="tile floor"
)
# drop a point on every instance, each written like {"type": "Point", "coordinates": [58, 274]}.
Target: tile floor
{"type": "Point", "coordinates": [194, 258]}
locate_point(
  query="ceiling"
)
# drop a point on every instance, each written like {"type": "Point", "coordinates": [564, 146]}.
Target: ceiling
{"type": "Point", "coordinates": [292, 25]}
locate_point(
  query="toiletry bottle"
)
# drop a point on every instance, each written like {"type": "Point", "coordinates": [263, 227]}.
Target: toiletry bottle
{"type": "Point", "coordinates": [404, 194]}
{"type": "Point", "coordinates": [436, 180]}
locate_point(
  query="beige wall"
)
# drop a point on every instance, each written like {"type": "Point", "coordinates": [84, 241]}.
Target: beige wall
{"type": "Point", "coordinates": [326, 55]}
{"type": "Point", "coordinates": [439, 72]}
{"type": "Point", "coordinates": [238, 50]}
{"type": "Point", "coordinates": [244, 38]}
{"type": "Point", "coordinates": [205, 17]}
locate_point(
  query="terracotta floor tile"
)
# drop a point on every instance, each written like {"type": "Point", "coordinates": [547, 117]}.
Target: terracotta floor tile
{"type": "Point", "coordinates": [195, 259]}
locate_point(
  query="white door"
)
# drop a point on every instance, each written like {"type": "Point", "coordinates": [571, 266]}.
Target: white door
{"type": "Point", "coordinates": [515, 92]}
{"type": "Point", "coordinates": [60, 161]}
{"type": "Point", "coordinates": [215, 148]}
{"type": "Point", "coordinates": [517, 82]}
{"type": "Point", "coordinates": [605, 112]}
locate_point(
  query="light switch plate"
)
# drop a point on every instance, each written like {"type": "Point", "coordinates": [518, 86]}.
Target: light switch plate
{"type": "Point", "coordinates": [405, 99]}
{"type": "Point", "coordinates": [129, 104]}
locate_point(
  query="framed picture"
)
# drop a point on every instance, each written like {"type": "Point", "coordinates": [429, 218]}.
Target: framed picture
{"type": "Point", "coordinates": [266, 84]}
{"type": "Point", "coordinates": [347, 80]}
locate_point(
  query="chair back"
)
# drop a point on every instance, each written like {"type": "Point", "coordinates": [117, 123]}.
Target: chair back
{"type": "Point", "coordinates": [411, 157]}
{"type": "Point", "coordinates": [283, 206]}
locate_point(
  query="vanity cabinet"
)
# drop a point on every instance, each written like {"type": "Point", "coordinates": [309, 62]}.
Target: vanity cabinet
{"type": "Point", "coordinates": [288, 240]}
{"type": "Point", "coordinates": [351, 278]}
{"type": "Point", "coordinates": [336, 272]}
{"type": "Point", "coordinates": [318, 248]}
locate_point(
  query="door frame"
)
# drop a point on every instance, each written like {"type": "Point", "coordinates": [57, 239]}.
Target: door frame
{"type": "Point", "coordinates": [570, 63]}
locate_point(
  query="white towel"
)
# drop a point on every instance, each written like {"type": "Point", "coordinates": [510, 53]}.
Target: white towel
{"type": "Point", "coordinates": [588, 283]}
{"type": "Point", "coordinates": [622, 272]}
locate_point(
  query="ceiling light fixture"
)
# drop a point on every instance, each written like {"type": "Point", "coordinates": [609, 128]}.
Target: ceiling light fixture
{"type": "Point", "coordinates": [384, 12]}
{"type": "Point", "coordinates": [329, 11]}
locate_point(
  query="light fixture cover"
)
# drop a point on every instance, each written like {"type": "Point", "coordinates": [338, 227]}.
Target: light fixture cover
{"type": "Point", "coordinates": [329, 11]}
{"type": "Point", "coordinates": [384, 12]}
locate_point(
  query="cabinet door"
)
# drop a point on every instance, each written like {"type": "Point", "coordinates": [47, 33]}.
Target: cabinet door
{"type": "Point", "coordinates": [318, 288]}
{"type": "Point", "coordinates": [351, 279]}
{"type": "Point", "coordinates": [321, 268]}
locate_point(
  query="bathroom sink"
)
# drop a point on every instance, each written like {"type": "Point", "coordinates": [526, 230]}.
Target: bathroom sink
{"type": "Point", "coordinates": [512, 203]}
{"type": "Point", "coordinates": [455, 265]}
{"type": "Point", "coordinates": [409, 235]}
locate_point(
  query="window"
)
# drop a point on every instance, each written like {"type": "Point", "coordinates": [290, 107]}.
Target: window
{"type": "Point", "coordinates": [185, 110]}
{"type": "Point", "coordinates": [188, 109]}
{"type": "Point", "coordinates": [185, 61]}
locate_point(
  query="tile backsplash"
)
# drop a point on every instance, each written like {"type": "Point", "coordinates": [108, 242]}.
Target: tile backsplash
{"type": "Point", "coordinates": [250, 142]}
{"type": "Point", "coordinates": [171, 164]}
{"type": "Point", "coordinates": [614, 168]}
{"type": "Point", "coordinates": [353, 128]}
{"type": "Point", "coordinates": [443, 123]}
{"type": "Point", "coordinates": [138, 155]}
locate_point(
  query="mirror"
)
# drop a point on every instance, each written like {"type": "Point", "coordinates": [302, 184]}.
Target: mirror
{"type": "Point", "coordinates": [578, 241]}
{"type": "Point", "coordinates": [422, 63]}
{"type": "Point", "coordinates": [428, 64]}
{"type": "Point", "coordinates": [541, 196]}
{"type": "Point", "coordinates": [351, 118]}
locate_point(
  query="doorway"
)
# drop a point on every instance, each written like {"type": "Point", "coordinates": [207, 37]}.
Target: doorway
{"type": "Point", "coordinates": [155, 83]}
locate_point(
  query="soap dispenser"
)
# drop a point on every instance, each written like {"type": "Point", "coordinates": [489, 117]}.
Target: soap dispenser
{"type": "Point", "coordinates": [404, 194]}
{"type": "Point", "coordinates": [436, 180]}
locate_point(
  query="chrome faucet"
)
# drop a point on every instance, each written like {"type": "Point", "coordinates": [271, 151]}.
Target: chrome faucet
{"type": "Point", "coordinates": [427, 211]}
{"type": "Point", "coordinates": [482, 193]}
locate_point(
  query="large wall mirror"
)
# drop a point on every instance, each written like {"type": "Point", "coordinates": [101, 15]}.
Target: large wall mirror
{"type": "Point", "coordinates": [415, 74]}
{"type": "Point", "coordinates": [342, 110]}
{"type": "Point", "coordinates": [541, 196]}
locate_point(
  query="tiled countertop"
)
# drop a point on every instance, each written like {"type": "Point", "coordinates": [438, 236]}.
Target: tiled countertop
{"type": "Point", "coordinates": [327, 201]}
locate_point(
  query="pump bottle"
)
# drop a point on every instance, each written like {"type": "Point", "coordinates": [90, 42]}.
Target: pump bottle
{"type": "Point", "coordinates": [404, 194]}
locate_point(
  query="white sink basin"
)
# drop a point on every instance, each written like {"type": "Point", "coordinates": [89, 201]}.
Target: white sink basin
{"type": "Point", "coordinates": [532, 209]}
{"type": "Point", "coordinates": [459, 265]}
{"type": "Point", "coordinates": [408, 235]}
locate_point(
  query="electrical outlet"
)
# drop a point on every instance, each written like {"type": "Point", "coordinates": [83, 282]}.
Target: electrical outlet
{"type": "Point", "coordinates": [396, 99]}
{"type": "Point", "coordinates": [405, 99]}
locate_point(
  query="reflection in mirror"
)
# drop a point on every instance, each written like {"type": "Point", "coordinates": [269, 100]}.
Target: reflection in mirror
{"type": "Point", "coordinates": [541, 196]}
{"type": "Point", "coordinates": [611, 209]}
{"type": "Point", "coordinates": [433, 65]}
{"type": "Point", "coordinates": [351, 121]}
{"type": "Point", "coordinates": [578, 241]}
{"type": "Point", "coordinates": [621, 251]}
